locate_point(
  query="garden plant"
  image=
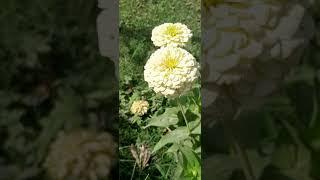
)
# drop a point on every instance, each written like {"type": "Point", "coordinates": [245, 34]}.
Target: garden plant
{"type": "Point", "coordinates": [160, 102]}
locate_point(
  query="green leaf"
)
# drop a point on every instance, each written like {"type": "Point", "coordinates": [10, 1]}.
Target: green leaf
{"type": "Point", "coordinates": [161, 170]}
{"type": "Point", "coordinates": [100, 94]}
{"type": "Point", "coordinates": [258, 162]}
{"type": "Point", "coordinates": [177, 173]}
{"type": "Point", "coordinates": [293, 161]}
{"type": "Point", "coordinates": [190, 156]}
{"type": "Point", "coordinates": [195, 127]}
{"type": "Point", "coordinates": [175, 136]}
{"type": "Point", "coordinates": [220, 167]}
{"type": "Point", "coordinates": [192, 115]}
{"type": "Point", "coordinates": [168, 118]}
{"type": "Point", "coordinates": [284, 156]}
{"type": "Point", "coordinates": [173, 149]}
{"type": "Point", "coordinates": [135, 119]}
{"type": "Point", "coordinates": [198, 150]}
{"type": "Point", "coordinates": [302, 74]}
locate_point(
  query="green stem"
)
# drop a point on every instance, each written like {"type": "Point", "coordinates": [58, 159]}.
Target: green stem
{"type": "Point", "coordinates": [167, 173]}
{"type": "Point", "coordinates": [184, 116]}
{"type": "Point", "coordinates": [133, 171]}
{"type": "Point", "coordinates": [240, 151]}
{"type": "Point", "coordinates": [146, 177]}
{"type": "Point", "coordinates": [315, 109]}
{"type": "Point", "coordinates": [292, 132]}
{"type": "Point", "coordinates": [242, 154]}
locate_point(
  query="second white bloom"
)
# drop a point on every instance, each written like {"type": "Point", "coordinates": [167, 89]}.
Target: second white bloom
{"type": "Point", "coordinates": [171, 71]}
{"type": "Point", "coordinates": [171, 34]}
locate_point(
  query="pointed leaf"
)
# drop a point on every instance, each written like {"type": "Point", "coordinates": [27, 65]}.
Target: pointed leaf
{"type": "Point", "coordinates": [168, 118]}
{"type": "Point", "coordinates": [175, 136]}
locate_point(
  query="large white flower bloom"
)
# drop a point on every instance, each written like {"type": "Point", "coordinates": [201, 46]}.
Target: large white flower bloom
{"type": "Point", "coordinates": [249, 46]}
{"type": "Point", "coordinates": [82, 155]}
{"type": "Point", "coordinates": [139, 107]}
{"type": "Point", "coordinates": [171, 34]}
{"type": "Point", "coordinates": [240, 33]}
{"type": "Point", "coordinates": [171, 71]}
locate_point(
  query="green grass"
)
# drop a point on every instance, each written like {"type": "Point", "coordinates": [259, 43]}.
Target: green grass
{"type": "Point", "coordinates": [137, 19]}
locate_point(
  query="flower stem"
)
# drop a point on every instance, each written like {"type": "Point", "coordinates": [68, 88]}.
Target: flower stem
{"type": "Point", "coordinates": [242, 154]}
{"type": "Point", "coordinates": [315, 109]}
{"type": "Point", "coordinates": [292, 132]}
{"type": "Point", "coordinates": [240, 151]}
{"type": "Point", "coordinates": [184, 116]}
{"type": "Point", "coordinates": [133, 171]}
{"type": "Point", "coordinates": [146, 177]}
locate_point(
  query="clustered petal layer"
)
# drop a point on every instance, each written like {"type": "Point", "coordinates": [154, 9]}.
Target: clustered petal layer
{"type": "Point", "coordinates": [171, 34]}
{"type": "Point", "coordinates": [240, 33]}
{"type": "Point", "coordinates": [139, 107]}
{"type": "Point", "coordinates": [171, 71]}
{"type": "Point", "coordinates": [82, 155]}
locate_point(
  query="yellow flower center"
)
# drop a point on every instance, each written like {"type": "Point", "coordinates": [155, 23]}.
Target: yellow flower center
{"type": "Point", "coordinates": [170, 63]}
{"type": "Point", "coordinates": [172, 30]}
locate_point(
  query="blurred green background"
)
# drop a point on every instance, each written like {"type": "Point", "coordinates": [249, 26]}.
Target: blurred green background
{"type": "Point", "coordinates": [279, 140]}
{"type": "Point", "coordinates": [52, 78]}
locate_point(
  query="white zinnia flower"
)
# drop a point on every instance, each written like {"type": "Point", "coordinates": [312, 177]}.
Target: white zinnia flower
{"type": "Point", "coordinates": [139, 107]}
{"type": "Point", "coordinates": [239, 34]}
{"type": "Point", "coordinates": [171, 71]}
{"type": "Point", "coordinates": [81, 154]}
{"type": "Point", "coordinates": [248, 48]}
{"type": "Point", "coordinates": [171, 34]}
